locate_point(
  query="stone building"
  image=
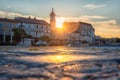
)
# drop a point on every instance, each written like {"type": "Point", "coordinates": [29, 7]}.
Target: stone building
{"type": "Point", "coordinates": [72, 31]}
{"type": "Point", "coordinates": [6, 26]}
{"type": "Point", "coordinates": [34, 27]}
{"type": "Point", "coordinates": [80, 32]}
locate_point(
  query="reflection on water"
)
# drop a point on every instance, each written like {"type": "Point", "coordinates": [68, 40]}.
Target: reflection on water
{"type": "Point", "coordinates": [67, 63]}
{"type": "Point", "coordinates": [60, 54]}
{"type": "Point", "coordinates": [57, 58]}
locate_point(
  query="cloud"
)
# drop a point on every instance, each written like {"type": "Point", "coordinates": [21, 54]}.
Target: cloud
{"type": "Point", "coordinates": [109, 22]}
{"type": "Point", "coordinates": [85, 18]}
{"type": "Point", "coordinates": [105, 28]}
{"type": "Point", "coordinates": [93, 6]}
{"type": "Point", "coordinates": [108, 28]}
{"type": "Point", "coordinates": [94, 17]}
{"type": "Point", "coordinates": [7, 14]}
{"type": "Point", "coordinates": [8, 7]}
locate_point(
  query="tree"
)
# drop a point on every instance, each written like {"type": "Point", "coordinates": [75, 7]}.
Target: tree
{"type": "Point", "coordinates": [117, 40]}
{"type": "Point", "coordinates": [18, 33]}
{"type": "Point", "coordinates": [45, 38]}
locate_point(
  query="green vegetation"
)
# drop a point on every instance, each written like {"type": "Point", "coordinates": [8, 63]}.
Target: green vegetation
{"type": "Point", "coordinates": [18, 34]}
{"type": "Point", "coordinates": [33, 49]}
{"type": "Point", "coordinates": [45, 38]}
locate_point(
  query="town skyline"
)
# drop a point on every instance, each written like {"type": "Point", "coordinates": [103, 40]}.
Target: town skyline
{"type": "Point", "coordinates": [98, 13]}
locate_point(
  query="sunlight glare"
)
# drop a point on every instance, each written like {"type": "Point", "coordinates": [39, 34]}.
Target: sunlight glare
{"type": "Point", "coordinates": [59, 22]}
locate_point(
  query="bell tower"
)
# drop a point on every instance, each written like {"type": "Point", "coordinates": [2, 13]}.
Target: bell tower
{"type": "Point", "coordinates": [52, 19]}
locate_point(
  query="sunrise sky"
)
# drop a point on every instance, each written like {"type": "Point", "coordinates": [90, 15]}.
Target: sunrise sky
{"type": "Point", "coordinates": [104, 15]}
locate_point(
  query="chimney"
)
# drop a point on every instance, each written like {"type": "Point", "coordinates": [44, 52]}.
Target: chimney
{"type": "Point", "coordinates": [34, 18]}
{"type": "Point", "coordinates": [29, 17]}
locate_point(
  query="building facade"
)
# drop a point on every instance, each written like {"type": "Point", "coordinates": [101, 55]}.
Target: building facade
{"type": "Point", "coordinates": [6, 26]}
{"type": "Point", "coordinates": [34, 27]}
{"type": "Point", "coordinates": [80, 31]}
{"type": "Point", "coordinates": [72, 31]}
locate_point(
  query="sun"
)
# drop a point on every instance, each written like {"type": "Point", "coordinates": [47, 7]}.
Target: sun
{"type": "Point", "coordinates": [59, 22]}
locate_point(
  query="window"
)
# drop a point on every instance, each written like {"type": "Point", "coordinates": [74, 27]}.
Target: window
{"type": "Point", "coordinates": [82, 32]}
{"type": "Point", "coordinates": [36, 34]}
{"type": "Point", "coordinates": [32, 33]}
{"type": "Point", "coordinates": [10, 25]}
{"type": "Point", "coordinates": [29, 25]}
{"type": "Point", "coordinates": [89, 33]}
{"type": "Point", "coordinates": [42, 27]}
{"type": "Point", "coordinates": [1, 32]}
{"type": "Point", "coordinates": [32, 27]}
{"type": "Point", "coordinates": [1, 24]}
{"type": "Point", "coordinates": [37, 26]}
{"type": "Point", "coordinates": [26, 26]}
{"type": "Point", "coordinates": [86, 27]}
{"type": "Point", "coordinates": [17, 25]}
{"type": "Point", "coordinates": [46, 27]}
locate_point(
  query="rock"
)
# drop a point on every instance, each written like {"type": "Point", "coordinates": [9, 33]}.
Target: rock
{"type": "Point", "coordinates": [99, 65]}
{"type": "Point", "coordinates": [66, 78]}
{"type": "Point", "coordinates": [8, 65]}
{"type": "Point", "coordinates": [118, 66]}
{"type": "Point", "coordinates": [88, 77]}
{"type": "Point", "coordinates": [19, 55]}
